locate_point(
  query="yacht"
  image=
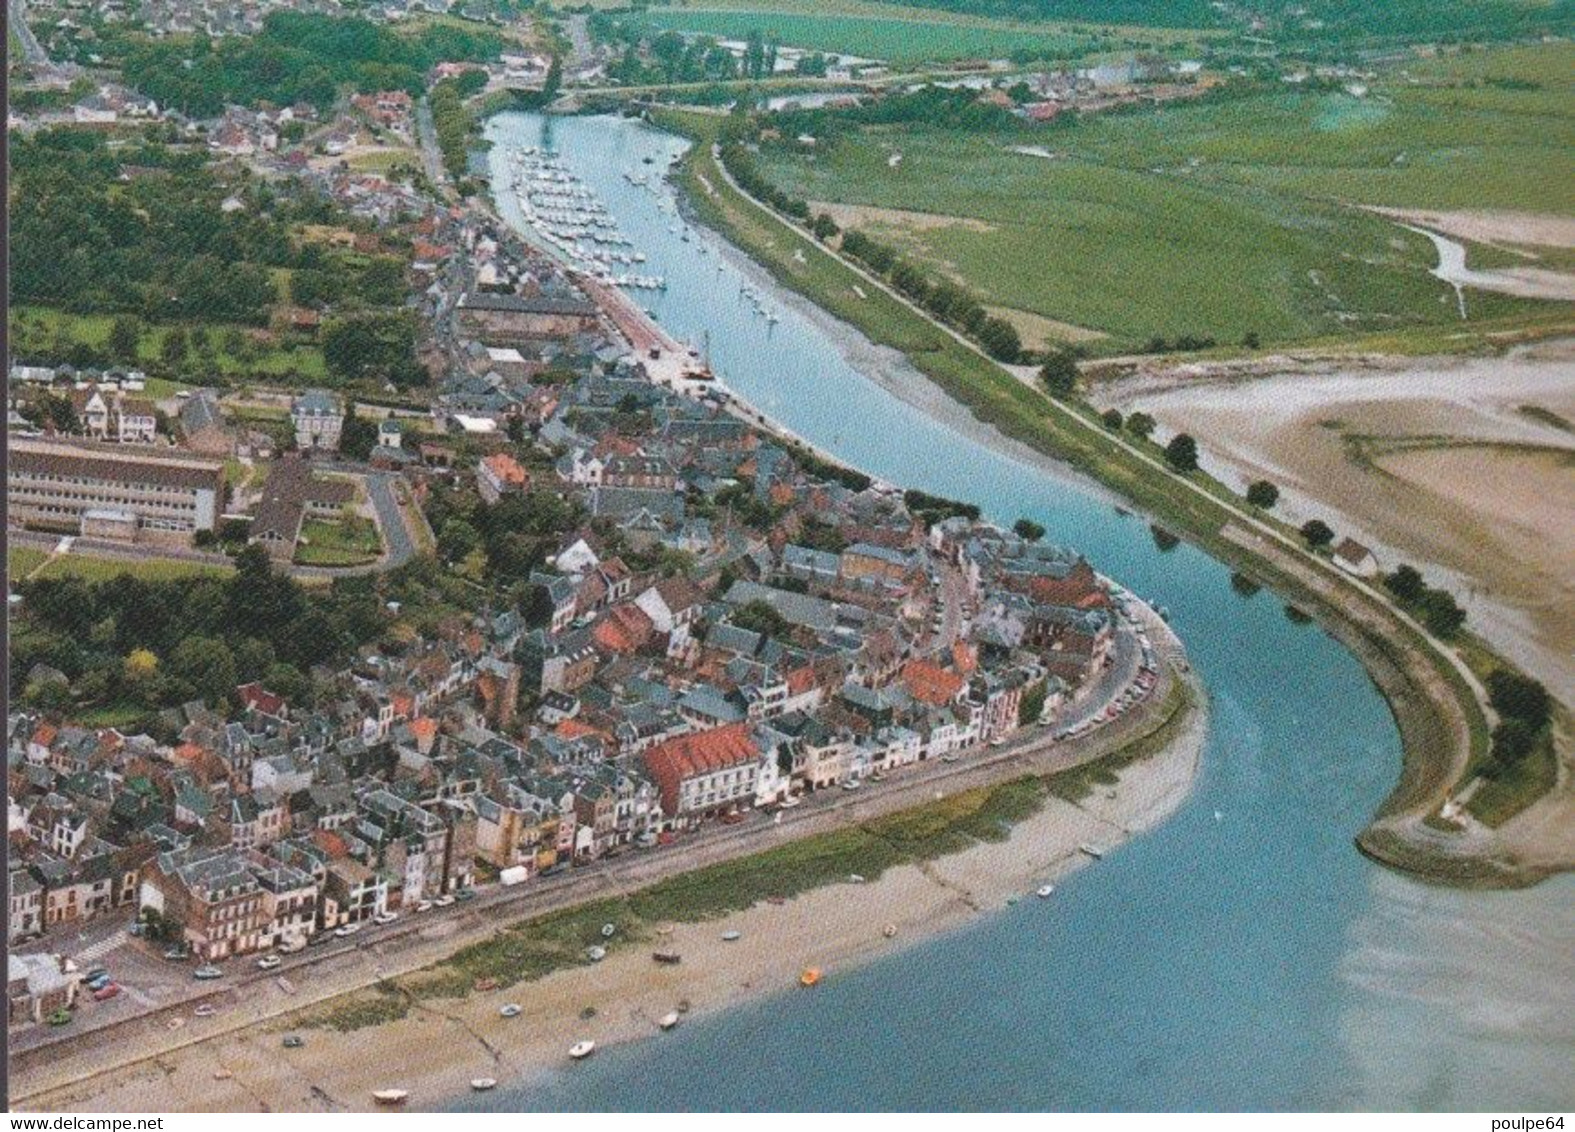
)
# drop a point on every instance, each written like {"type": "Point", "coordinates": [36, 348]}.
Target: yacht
{"type": "Point", "coordinates": [581, 1050]}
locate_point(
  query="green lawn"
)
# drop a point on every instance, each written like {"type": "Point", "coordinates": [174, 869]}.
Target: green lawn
{"type": "Point", "coordinates": [36, 330]}
{"type": "Point", "coordinates": [20, 561]}
{"type": "Point", "coordinates": [1222, 217]}
{"type": "Point", "coordinates": [338, 543]}
{"type": "Point", "coordinates": [95, 569]}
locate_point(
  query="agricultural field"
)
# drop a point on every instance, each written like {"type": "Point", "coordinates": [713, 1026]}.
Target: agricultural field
{"type": "Point", "coordinates": [1229, 216]}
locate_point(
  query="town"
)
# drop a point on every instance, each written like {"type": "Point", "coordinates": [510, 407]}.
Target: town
{"type": "Point", "coordinates": [668, 619]}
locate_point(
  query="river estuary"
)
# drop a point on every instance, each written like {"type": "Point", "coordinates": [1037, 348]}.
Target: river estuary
{"type": "Point", "coordinates": [1241, 955]}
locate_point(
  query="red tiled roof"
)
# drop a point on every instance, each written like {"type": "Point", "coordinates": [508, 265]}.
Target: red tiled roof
{"type": "Point", "coordinates": [931, 684]}
{"type": "Point", "coordinates": [625, 629]}
{"type": "Point", "coordinates": [701, 752]}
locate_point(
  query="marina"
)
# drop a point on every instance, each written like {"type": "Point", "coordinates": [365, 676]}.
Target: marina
{"type": "Point", "coordinates": [1302, 752]}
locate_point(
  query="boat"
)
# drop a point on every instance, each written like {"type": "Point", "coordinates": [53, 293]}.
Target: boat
{"type": "Point", "coordinates": [668, 1021]}
{"type": "Point", "coordinates": [511, 1010]}
{"type": "Point", "coordinates": [889, 931]}
{"type": "Point", "coordinates": [810, 977]}
{"type": "Point", "coordinates": [668, 957]}
{"type": "Point", "coordinates": [1093, 851]}
{"type": "Point", "coordinates": [391, 1096]}
{"type": "Point", "coordinates": [730, 936]}
{"type": "Point", "coordinates": [1045, 890]}
{"type": "Point", "coordinates": [581, 1050]}
{"type": "Point", "coordinates": [483, 1084]}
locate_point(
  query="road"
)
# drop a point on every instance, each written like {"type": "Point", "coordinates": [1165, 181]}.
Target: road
{"type": "Point", "coordinates": [33, 52]}
{"type": "Point", "coordinates": [110, 1035]}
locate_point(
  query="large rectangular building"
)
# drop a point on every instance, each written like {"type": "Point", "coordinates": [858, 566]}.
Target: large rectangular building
{"type": "Point", "coordinates": [105, 491]}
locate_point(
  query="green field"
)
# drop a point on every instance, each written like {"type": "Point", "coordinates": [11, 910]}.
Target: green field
{"type": "Point", "coordinates": [899, 41]}
{"type": "Point", "coordinates": [39, 331]}
{"type": "Point", "coordinates": [94, 569]}
{"type": "Point", "coordinates": [1224, 217]}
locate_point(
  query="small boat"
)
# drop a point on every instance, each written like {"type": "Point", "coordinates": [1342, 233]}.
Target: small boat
{"type": "Point", "coordinates": [1093, 851]}
{"type": "Point", "coordinates": [483, 1084]}
{"type": "Point", "coordinates": [668, 957]}
{"type": "Point", "coordinates": [596, 954]}
{"type": "Point", "coordinates": [889, 931]}
{"type": "Point", "coordinates": [1045, 891]}
{"type": "Point", "coordinates": [668, 1021]}
{"type": "Point", "coordinates": [511, 1010]}
{"type": "Point", "coordinates": [730, 936]}
{"type": "Point", "coordinates": [810, 977]}
{"type": "Point", "coordinates": [581, 1050]}
{"type": "Point", "coordinates": [391, 1096]}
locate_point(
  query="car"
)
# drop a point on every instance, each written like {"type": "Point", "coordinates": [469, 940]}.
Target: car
{"type": "Point", "coordinates": [424, 906]}
{"type": "Point", "coordinates": [207, 971]}
{"type": "Point", "coordinates": [291, 946]}
{"type": "Point", "coordinates": [949, 758]}
{"type": "Point", "coordinates": [346, 931]}
{"type": "Point", "coordinates": [465, 894]}
{"type": "Point", "coordinates": [177, 954]}
{"type": "Point", "coordinates": [60, 1017]}
{"type": "Point", "coordinates": [206, 1010]}
{"type": "Point", "coordinates": [96, 973]}
{"type": "Point", "coordinates": [293, 1041]}
{"type": "Point", "coordinates": [99, 983]}
{"type": "Point", "coordinates": [385, 917]}
{"type": "Point", "coordinates": [732, 818]}
{"type": "Point", "coordinates": [998, 742]}
{"type": "Point", "coordinates": [319, 939]}
{"type": "Point", "coordinates": [137, 928]}
{"type": "Point", "coordinates": [268, 962]}
{"type": "Point", "coordinates": [106, 992]}
{"type": "Point", "coordinates": [444, 901]}
{"type": "Point", "coordinates": [852, 784]}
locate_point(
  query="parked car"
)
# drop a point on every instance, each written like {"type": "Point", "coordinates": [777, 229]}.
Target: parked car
{"type": "Point", "coordinates": [290, 947]}
{"type": "Point", "coordinates": [319, 939]}
{"type": "Point", "coordinates": [96, 973]}
{"type": "Point", "coordinates": [293, 1041]}
{"type": "Point", "coordinates": [99, 983]}
{"type": "Point", "coordinates": [268, 962]}
{"type": "Point", "coordinates": [177, 954]}
{"type": "Point", "coordinates": [206, 1010]}
{"type": "Point", "coordinates": [424, 906]}
{"type": "Point", "coordinates": [732, 818]}
{"type": "Point", "coordinates": [465, 894]}
{"type": "Point", "coordinates": [385, 917]}
{"type": "Point", "coordinates": [106, 992]}
{"type": "Point", "coordinates": [346, 931]}
{"type": "Point", "coordinates": [444, 901]}
{"type": "Point", "coordinates": [207, 971]}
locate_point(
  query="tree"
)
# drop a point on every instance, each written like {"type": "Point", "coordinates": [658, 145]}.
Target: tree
{"type": "Point", "coordinates": [1441, 613]}
{"type": "Point", "coordinates": [1513, 740]}
{"type": "Point", "coordinates": [140, 666]}
{"type": "Point", "coordinates": [1028, 530]}
{"type": "Point", "coordinates": [761, 617]}
{"type": "Point", "coordinates": [1262, 494]}
{"type": "Point", "coordinates": [1250, 340]}
{"type": "Point", "coordinates": [824, 227]}
{"type": "Point", "coordinates": [208, 665]}
{"type": "Point", "coordinates": [1406, 584]}
{"type": "Point", "coordinates": [1182, 453]}
{"type": "Point", "coordinates": [1519, 697]}
{"type": "Point", "coordinates": [357, 436]}
{"type": "Point", "coordinates": [1111, 419]}
{"type": "Point", "coordinates": [175, 348]}
{"type": "Point", "coordinates": [457, 539]}
{"type": "Point", "coordinates": [1059, 374]}
{"type": "Point", "coordinates": [1141, 425]}
{"type": "Point", "coordinates": [125, 339]}
{"type": "Point", "coordinates": [1317, 533]}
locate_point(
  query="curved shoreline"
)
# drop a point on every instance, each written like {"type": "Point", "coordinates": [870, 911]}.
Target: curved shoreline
{"type": "Point", "coordinates": [837, 926]}
{"type": "Point", "coordinates": [1437, 709]}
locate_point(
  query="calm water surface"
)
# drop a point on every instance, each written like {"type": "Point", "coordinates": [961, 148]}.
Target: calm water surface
{"type": "Point", "coordinates": [1248, 960]}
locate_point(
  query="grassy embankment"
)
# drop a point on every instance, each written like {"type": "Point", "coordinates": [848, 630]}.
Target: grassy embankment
{"type": "Point", "coordinates": [1443, 729]}
{"type": "Point", "coordinates": [24, 561]}
{"type": "Point", "coordinates": [536, 947]}
{"type": "Point", "coordinates": [1229, 216]}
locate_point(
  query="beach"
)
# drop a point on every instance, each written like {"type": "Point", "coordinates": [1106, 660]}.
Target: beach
{"type": "Point", "coordinates": [442, 1044]}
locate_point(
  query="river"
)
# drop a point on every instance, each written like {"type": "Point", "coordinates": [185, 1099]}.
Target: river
{"type": "Point", "coordinates": [1241, 956]}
